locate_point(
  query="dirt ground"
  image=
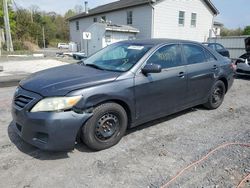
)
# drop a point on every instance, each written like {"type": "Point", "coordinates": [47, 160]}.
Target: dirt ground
{"type": "Point", "coordinates": [148, 156]}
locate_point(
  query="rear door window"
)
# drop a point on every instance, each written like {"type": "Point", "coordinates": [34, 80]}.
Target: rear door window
{"type": "Point", "coordinates": [194, 54]}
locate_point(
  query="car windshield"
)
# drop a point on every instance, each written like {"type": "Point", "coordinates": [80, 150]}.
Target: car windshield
{"type": "Point", "coordinates": [119, 57]}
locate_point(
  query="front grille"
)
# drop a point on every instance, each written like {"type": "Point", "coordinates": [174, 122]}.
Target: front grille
{"type": "Point", "coordinates": [21, 101]}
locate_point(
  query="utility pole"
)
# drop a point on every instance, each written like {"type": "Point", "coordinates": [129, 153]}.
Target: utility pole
{"type": "Point", "coordinates": [7, 27]}
{"type": "Point", "coordinates": [0, 42]}
{"type": "Point", "coordinates": [31, 16]}
{"type": "Point", "coordinates": [44, 44]}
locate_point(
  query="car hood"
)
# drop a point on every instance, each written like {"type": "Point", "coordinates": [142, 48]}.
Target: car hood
{"type": "Point", "coordinates": [61, 80]}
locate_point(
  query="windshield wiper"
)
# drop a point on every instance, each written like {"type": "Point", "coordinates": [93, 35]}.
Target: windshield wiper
{"type": "Point", "coordinates": [81, 62]}
{"type": "Point", "coordinates": [94, 66]}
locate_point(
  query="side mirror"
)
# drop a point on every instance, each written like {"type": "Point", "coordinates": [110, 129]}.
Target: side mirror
{"type": "Point", "coordinates": [151, 68]}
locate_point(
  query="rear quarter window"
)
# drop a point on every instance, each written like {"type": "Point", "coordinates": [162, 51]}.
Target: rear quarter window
{"type": "Point", "coordinates": [219, 47]}
{"type": "Point", "coordinates": [210, 56]}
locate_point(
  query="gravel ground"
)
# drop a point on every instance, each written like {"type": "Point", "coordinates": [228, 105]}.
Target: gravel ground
{"type": "Point", "coordinates": [148, 156]}
{"type": "Point", "coordinates": [49, 53]}
{"type": "Point", "coordinates": [27, 67]}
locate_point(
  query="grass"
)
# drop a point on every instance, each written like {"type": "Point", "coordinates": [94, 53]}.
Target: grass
{"type": "Point", "coordinates": [19, 52]}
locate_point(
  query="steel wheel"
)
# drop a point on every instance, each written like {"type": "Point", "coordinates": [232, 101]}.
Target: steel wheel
{"type": "Point", "coordinates": [106, 126]}
{"type": "Point", "coordinates": [217, 95]}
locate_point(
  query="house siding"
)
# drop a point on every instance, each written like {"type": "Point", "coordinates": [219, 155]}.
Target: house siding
{"type": "Point", "coordinates": [166, 18]}
{"type": "Point", "coordinates": [142, 20]}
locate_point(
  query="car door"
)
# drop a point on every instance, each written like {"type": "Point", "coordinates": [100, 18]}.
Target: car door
{"type": "Point", "coordinates": [200, 71]}
{"type": "Point", "coordinates": [161, 93]}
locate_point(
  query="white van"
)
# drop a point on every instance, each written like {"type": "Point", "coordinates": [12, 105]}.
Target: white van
{"type": "Point", "coordinates": [63, 46]}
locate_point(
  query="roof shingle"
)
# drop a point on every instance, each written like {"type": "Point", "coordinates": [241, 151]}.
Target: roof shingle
{"type": "Point", "coordinates": [121, 4]}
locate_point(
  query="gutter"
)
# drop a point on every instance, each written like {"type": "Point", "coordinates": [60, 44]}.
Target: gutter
{"type": "Point", "coordinates": [214, 9]}
{"type": "Point", "coordinates": [122, 30]}
{"type": "Point", "coordinates": [83, 15]}
{"type": "Point", "coordinates": [153, 19]}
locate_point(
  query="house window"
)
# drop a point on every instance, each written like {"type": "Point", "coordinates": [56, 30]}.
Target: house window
{"type": "Point", "coordinates": [95, 19]}
{"type": "Point", "coordinates": [131, 38]}
{"type": "Point", "coordinates": [181, 18]}
{"type": "Point", "coordinates": [193, 19]}
{"type": "Point", "coordinates": [129, 17]}
{"type": "Point", "coordinates": [104, 18]}
{"type": "Point", "coordinates": [108, 38]}
{"type": "Point", "coordinates": [77, 25]}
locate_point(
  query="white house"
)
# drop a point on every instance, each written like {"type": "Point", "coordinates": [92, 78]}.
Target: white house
{"type": "Point", "coordinates": [216, 29]}
{"type": "Point", "coordinates": [176, 19]}
{"type": "Point", "coordinates": [105, 34]}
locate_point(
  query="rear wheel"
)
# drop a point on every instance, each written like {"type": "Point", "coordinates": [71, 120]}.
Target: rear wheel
{"type": "Point", "coordinates": [216, 96]}
{"type": "Point", "coordinates": [106, 127]}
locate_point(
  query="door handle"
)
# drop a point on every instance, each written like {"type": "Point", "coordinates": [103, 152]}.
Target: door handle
{"type": "Point", "coordinates": [181, 75]}
{"type": "Point", "coordinates": [215, 67]}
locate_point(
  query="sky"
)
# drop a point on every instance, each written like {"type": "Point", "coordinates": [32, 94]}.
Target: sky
{"type": "Point", "coordinates": [233, 13]}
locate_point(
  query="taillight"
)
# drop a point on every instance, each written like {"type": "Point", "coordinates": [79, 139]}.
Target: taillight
{"type": "Point", "coordinates": [233, 66]}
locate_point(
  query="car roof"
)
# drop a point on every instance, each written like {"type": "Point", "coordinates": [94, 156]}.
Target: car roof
{"type": "Point", "coordinates": [210, 43]}
{"type": "Point", "coordinates": [157, 41]}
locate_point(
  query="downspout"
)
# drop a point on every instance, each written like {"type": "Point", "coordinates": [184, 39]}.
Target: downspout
{"type": "Point", "coordinates": [153, 19]}
{"type": "Point", "coordinates": [212, 28]}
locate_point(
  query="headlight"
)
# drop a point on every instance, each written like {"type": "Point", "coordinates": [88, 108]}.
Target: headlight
{"type": "Point", "coordinates": [56, 104]}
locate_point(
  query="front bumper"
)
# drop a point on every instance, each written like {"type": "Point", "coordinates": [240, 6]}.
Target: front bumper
{"type": "Point", "coordinates": [48, 131]}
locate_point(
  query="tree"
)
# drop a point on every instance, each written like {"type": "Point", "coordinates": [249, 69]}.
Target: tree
{"type": "Point", "coordinates": [11, 17]}
{"type": "Point", "coordinates": [246, 30]}
{"type": "Point", "coordinates": [69, 13]}
{"type": "Point", "coordinates": [34, 9]}
{"type": "Point", "coordinates": [26, 25]}
{"type": "Point", "coordinates": [78, 9]}
{"type": "Point", "coordinates": [231, 32]}
{"type": "Point", "coordinates": [1, 14]}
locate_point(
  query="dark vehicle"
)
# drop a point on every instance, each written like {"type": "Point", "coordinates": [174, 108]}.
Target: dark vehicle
{"type": "Point", "coordinates": [123, 85]}
{"type": "Point", "coordinates": [218, 48]}
{"type": "Point", "coordinates": [243, 62]}
{"type": "Point", "coordinates": [79, 55]}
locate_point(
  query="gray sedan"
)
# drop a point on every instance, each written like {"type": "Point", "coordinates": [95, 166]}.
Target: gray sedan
{"type": "Point", "coordinates": [122, 86]}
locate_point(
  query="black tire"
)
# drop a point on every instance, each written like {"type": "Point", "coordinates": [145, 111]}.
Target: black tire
{"type": "Point", "coordinates": [216, 96]}
{"type": "Point", "coordinates": [107, 118]}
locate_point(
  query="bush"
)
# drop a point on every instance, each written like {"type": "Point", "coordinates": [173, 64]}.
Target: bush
{"type": "Point", "coordinates": [18, 45]}
{"type": "Point", "coordinates": [246, 30]}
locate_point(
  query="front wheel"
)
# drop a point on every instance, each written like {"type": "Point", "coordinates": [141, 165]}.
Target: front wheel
{"type": "Point", "coordinates": [106, 127]}
{"type": "Point", "coordinates": [216, 96]}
